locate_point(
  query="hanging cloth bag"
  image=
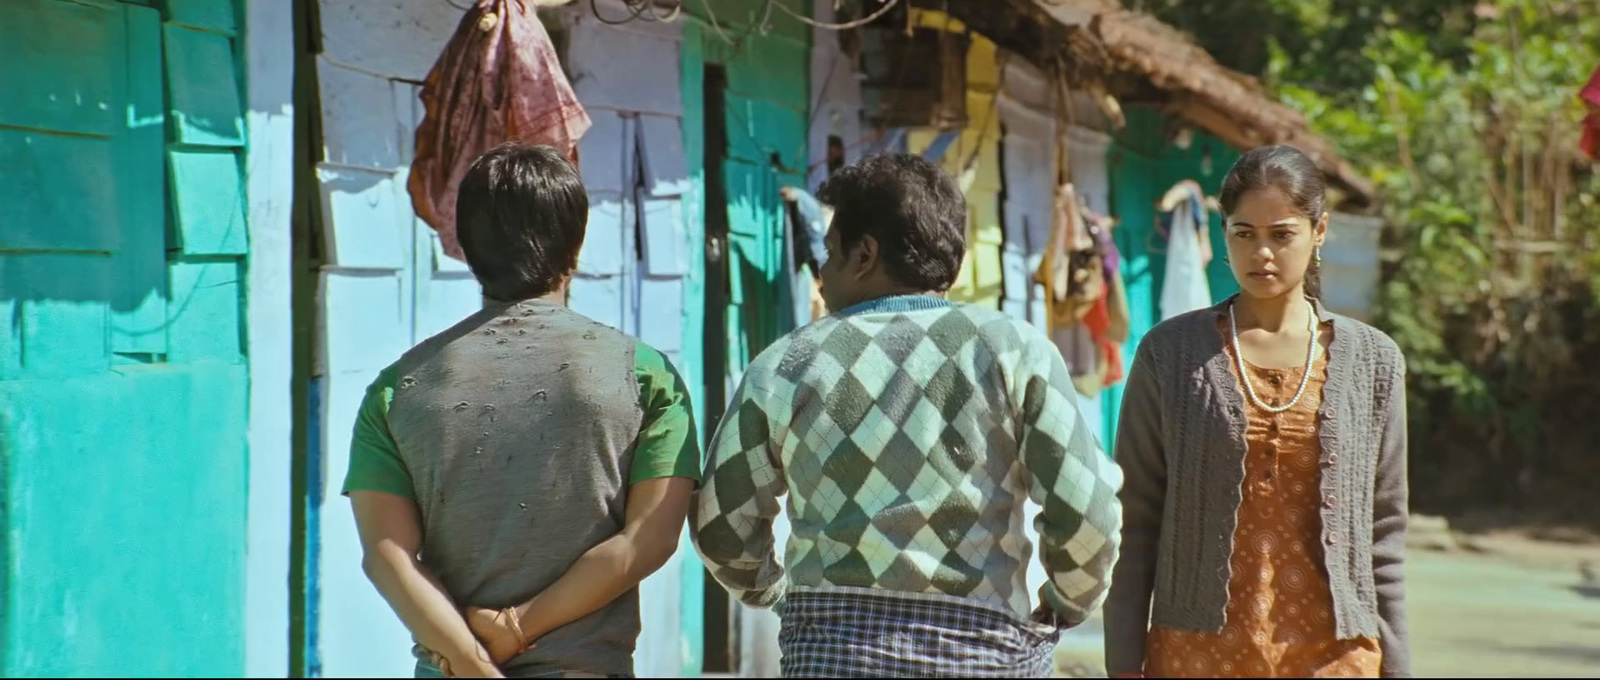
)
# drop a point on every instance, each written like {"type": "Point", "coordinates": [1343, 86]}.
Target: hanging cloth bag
{"type": "Point", "coordinates": [498, 80]}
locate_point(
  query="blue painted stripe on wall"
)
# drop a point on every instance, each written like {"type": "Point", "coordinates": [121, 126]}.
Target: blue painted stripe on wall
{"type": "Point", "coordinates": [6, 568]}
{"type": "Point", "coordinates": [893, 141]}
{"type": "Point", "coordinates": [314, 495]}
{"type": "Point", "coordinates": [935, 151]}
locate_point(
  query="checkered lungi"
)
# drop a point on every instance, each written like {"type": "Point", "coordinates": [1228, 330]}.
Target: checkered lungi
{"type": "Point", "coordinates": [832, 634]}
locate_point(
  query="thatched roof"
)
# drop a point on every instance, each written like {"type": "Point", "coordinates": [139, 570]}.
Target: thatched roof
{"type": "Point", "coordinates": [1098, 40]}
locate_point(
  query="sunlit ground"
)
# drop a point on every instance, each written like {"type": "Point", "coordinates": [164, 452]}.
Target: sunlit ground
{"type": "Point", "coordinates": [1494, 607]}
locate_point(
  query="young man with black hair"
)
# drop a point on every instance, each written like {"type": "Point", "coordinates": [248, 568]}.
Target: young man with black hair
{"type": "Point", "coordinates": [907, 432]}
{"type": "Point", "coordinates": [515, 477]}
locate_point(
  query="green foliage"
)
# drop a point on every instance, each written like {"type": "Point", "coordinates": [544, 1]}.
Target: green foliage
{"type": "Point", "coordinates": [1491, 285]}
{"type": "Point", "coordinates": [1325, 40]}
{"type": "Point", "coordinates": [1468, 121]}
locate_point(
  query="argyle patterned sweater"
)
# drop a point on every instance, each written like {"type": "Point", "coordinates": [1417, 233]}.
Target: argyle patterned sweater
{"type": "Point", "coordinates": [907, 432]}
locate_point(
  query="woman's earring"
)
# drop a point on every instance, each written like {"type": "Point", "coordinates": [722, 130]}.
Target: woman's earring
{"type": "Point", "coordinates": [1316, 256]}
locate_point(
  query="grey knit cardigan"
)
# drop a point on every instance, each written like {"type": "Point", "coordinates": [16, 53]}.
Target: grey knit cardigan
{"type": "Point", "coordinates": [1181, 444]}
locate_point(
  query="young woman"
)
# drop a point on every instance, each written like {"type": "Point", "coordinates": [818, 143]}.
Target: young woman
{"type": "Point", "coordinates": [1264, 446]}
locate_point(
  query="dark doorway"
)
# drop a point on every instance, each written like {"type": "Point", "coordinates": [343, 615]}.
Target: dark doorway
{"type": "Point", "coordinates": [306, 388]}
{"type": "Point", "coordinates": [715, 357]}
{"type": "Point", "coordinates": [721, 639]}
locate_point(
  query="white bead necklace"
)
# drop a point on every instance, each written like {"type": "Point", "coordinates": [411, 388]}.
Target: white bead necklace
{"type": "Point", "coordinates": [1244, 373]}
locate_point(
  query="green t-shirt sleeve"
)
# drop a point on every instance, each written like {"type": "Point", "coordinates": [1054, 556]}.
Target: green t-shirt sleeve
{"type": "Point", "coordinates": [667, 446]}
{"type": "Point", "coordinates": [375, 463]}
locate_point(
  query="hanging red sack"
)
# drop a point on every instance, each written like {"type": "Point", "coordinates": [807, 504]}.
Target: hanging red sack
{"type": "Point", "coordinates": [498, 80]}
{"type": "Point", "coordinates": [1591, 124]}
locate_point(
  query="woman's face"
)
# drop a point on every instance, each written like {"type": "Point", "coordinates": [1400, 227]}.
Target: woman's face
{"type": "Point", "coordinates": [1271, 243]}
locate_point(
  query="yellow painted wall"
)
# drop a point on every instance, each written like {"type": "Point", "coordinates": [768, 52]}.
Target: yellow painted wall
{"type": "Point", "coordinates": [979, 281]}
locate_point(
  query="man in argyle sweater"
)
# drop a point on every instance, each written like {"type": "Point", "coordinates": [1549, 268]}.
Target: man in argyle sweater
{"type": "Point", "coordinates": [908, 431]}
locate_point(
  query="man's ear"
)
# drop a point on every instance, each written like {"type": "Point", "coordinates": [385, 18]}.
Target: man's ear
{"type": "Point", "coordinates": [866, 256]}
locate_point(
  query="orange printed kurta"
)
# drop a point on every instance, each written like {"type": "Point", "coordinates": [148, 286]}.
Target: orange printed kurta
{"type": "Point", "coordinates": [1280, 609]}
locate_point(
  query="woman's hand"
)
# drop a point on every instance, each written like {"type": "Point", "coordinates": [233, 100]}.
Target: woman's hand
{"type": "Point", "coordinates": [499, 630]}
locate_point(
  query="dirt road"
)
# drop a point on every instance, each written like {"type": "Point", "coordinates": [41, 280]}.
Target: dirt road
{"type": "Point", "coordinates": [1491, 616]}
{"type": "Point", "coordinates": [1520, 610]}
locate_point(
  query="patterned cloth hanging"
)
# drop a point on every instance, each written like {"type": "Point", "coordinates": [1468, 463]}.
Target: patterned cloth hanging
{"type": "Point", "coordinates": [1591, 124]}
{"type": "Point", "coordinates": [1185, 287]}
{"type": "Point", "coordinates": [498, 80]}
{"type": "Point", "coordinates": [1087, 303]}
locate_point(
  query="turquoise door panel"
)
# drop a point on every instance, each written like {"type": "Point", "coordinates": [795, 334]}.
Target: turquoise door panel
{"type": "Point", "coordinates": [203, 90]}
{"type": "Point", "coordinates": [73, 80]}
{"type": "Point", "coordinates": [207, 202]}
{"type": "Point", "coordinates": [209, 15]}
{"type": "Point", "coordinates": [60, 193]}
{"type": "Point", "coordinates": [139, 571]}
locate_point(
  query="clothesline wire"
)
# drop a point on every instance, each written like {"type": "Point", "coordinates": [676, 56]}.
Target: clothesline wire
{"type": "Point", "coordinates": [764, 24]}
{"type": "Point", "coordinates": [645, 10]}
{"type": "Point", "coordinates": [715, 25]}
{"type": "Point", "coordinates": [877, 135]}
{"type": "Point", "coordinates": [887, 5]}
{"type": "Point", "coordinates": [642, 10]}
{"type": "Point", "coordinates": [738, 45]}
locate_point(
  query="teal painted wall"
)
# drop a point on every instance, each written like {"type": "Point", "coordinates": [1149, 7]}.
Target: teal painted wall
{"type": "Point", "coordinates": [123, 387]}
{"type": "Point", "coordinates": [767, 102]}
{"type": "Point", "coordinates": [1144, 164]}
{"type": "Point", "coordinates": [692, 80]}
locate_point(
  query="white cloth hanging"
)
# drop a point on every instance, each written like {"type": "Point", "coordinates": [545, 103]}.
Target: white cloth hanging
{"type": "Point", "coordinates": [1186, 288]}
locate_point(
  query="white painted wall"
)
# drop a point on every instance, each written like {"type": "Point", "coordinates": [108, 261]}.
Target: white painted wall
{"type": "Point", "coordinates": [631, 273]}
{"type": "Point", "coordinates": [382, 289]}
{"type": "Point", "coordinates": [389, 285]}
{"type": "Point", "coordinates": [269, 185]}
{"type": "Point", "coordinates": [1030, 118]}
{"type": "Point", "coordinates": [836, 107]}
